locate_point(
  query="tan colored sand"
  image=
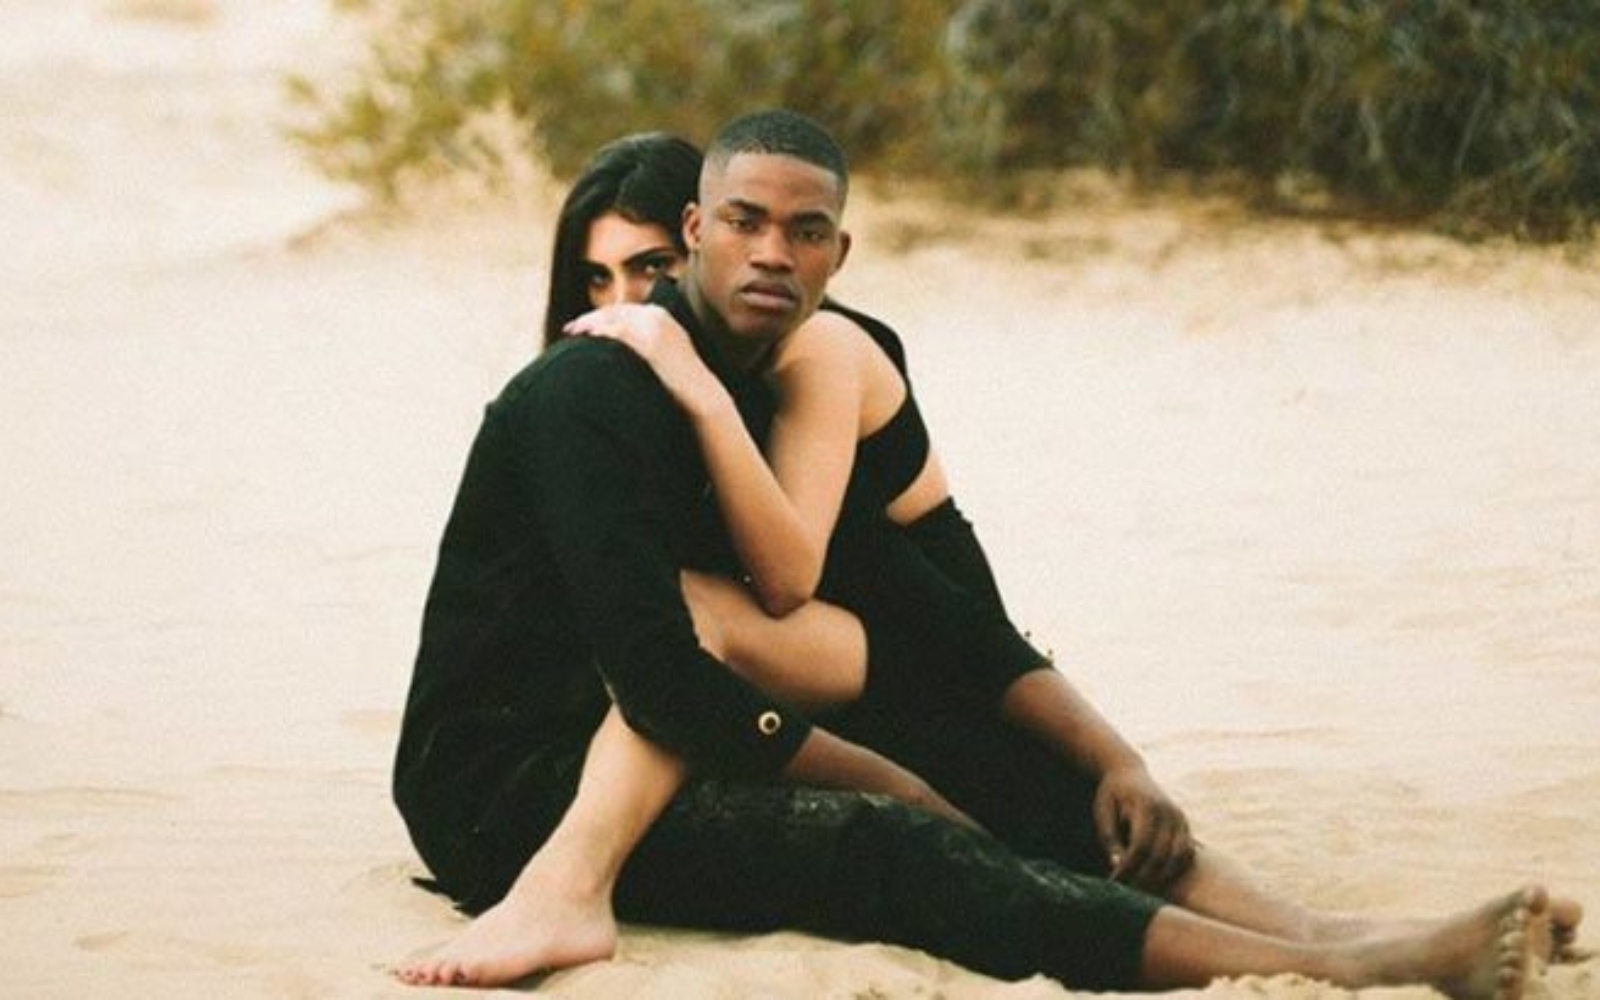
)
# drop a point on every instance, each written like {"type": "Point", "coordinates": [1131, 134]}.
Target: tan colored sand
{"type": "Point", "coordinates": [1313, 511]}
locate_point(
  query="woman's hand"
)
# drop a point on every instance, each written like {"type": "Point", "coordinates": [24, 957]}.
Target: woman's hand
{"type": "Point", "coordinates": [651, 332]}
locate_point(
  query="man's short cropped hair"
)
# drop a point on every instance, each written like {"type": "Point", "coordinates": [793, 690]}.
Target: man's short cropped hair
{"type": "Point", "coordinates": [782, 133]}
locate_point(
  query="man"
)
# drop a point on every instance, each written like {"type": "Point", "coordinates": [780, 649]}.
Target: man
{"type": "Point", "coordinates": [559, 592]}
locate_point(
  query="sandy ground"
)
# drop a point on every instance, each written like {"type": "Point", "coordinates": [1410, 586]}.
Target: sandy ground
{"type": "Point", "coordinates": [1312, 511]}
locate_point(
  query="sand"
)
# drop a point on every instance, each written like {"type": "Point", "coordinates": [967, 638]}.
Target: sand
{"type": "Point", "coordinates": [1312, 510]}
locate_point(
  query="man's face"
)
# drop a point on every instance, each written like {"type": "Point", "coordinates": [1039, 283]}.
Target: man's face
{"type": "Point", "coordinates": [764, 240]}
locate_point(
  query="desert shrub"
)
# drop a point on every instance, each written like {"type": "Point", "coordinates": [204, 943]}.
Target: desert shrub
{"type": "Point", "coordinates": [577, 73]}
{"type": "Point", "coordinates": [1049, 83]}
{"type": "Point", "coordinates": [1483, 116]}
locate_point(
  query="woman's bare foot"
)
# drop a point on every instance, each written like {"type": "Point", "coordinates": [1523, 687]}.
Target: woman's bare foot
{"type": "Point", "coordinates": [540, 926]}
{"type": "Point", "coordinates": [1490, 953]}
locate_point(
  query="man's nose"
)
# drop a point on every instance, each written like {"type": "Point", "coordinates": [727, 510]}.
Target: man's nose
{"type": "Point", "coordinates": [773, 249]}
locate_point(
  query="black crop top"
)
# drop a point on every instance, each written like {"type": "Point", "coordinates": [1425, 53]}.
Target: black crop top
{"type": "Point", "coordinates": [889, 459]}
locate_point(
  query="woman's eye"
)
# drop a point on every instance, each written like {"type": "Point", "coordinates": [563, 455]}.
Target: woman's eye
{"type": "Point", "coordinates": [598, 278]}
{"type": "Point", "coordinates": [657, 266]}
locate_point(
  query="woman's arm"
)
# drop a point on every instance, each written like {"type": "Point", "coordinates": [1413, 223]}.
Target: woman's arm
{"type": "Point", "coordinates": [779, 516]}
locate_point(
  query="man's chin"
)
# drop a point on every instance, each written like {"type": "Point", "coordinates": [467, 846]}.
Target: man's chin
{"type": "Point", "coordinates": [764, 324]}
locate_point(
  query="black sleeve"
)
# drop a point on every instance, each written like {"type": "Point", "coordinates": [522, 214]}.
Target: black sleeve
{"type": "Point", "coordinates": [596, 439]}
{"type": "Point", "coordinates": [934, 606]}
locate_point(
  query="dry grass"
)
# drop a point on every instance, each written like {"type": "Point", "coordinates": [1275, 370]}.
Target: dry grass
{"type": "Point", "coordinates": [186, 12]}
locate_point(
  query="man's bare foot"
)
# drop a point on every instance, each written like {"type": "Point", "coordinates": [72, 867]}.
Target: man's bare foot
{"type": "Point", "coordinates": [1565, 916]}
{"type": "Point", "coordinates": [1490, 953]}
{"type": "Point", "coordinates": [1339, 928]}
{"type": "Point", "coordinates": [1333, 928]}
{"type": "Point", "coordinates": [540, 926]}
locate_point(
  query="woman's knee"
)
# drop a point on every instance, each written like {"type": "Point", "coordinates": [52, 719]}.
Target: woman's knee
{"type": "Point", "coordinates": [707, 609]}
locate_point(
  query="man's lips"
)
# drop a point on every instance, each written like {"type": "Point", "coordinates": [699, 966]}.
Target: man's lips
{"type": "Point", "coordinates": [768, 296]}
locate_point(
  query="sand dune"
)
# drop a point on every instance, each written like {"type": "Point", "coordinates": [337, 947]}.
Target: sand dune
{"type": "Point", "coordinates": [1312, 510]}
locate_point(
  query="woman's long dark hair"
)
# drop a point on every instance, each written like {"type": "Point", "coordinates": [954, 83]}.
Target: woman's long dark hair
{"type": "Point", "coordinates": [647, 178]}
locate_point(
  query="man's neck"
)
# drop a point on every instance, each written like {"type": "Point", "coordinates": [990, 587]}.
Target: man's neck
{"type": "Point", "coordinates": [742, 355]}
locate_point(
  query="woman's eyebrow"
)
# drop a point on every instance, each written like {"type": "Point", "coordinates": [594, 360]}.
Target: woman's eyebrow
{"type": "Point", "coordinates": [649, 252]}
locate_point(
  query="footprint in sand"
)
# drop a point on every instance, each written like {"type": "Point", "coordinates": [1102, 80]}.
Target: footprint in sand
{"type": "Point", "coordinates": [170, 951]}
{"type": "Point", "coordinates": [372, 721]}
{"type": "Point", "coordinates": [384, 878]}
{"type": "Point", "coordinates": [100, 942]}
{"type": "Point", "coordinates": [25, 880]}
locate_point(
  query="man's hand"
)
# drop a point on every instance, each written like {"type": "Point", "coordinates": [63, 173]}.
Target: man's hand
{"type": "Point", "coordinates": [1145, 834]}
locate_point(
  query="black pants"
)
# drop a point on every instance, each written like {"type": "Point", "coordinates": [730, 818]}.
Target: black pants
{"type": "Point", "coordinates": [1026, 898]}
{"type": "Point", "coordinates": [752, 857]}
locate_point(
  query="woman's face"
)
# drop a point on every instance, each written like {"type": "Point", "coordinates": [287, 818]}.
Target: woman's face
{"type": "Point", "coordinates": [623, 259]}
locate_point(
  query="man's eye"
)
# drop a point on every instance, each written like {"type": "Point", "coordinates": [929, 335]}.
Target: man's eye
{"type": "Point", "coordinates": [812, 234]}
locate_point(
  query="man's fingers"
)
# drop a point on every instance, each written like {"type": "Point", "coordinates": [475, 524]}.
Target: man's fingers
{"type": "Point", "coordinates": [1171, 853]}
{"type": "Point", "coordinates": [1160, 858]}
{"type": "Point", "coordinates": [1144, 859]}
{"type": "Point", "coordinates": [1105, 825]}
{"type": "Point", "coordinates": [1165, 864]}
{"type": "Point", "coordinates": [1135, 851]}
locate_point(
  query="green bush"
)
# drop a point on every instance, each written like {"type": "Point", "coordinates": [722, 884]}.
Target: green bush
{"type": "Point", "coordinates": [577, 73]}
{"type": "Point", "coordinates": [1481, 117]}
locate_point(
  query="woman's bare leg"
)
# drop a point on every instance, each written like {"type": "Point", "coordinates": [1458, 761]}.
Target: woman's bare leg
{"type": "Point", "coordinates": [558, 912]}
{"type": "Point", "coordinates": [815, 657]}
{"type": "Point", "coordinates": [1490, 952]}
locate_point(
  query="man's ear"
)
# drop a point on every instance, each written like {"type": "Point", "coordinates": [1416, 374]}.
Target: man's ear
{"type": "Point", "coordinates": [691, 226]}
{"type": "Point", "coordinates": [844, 250]}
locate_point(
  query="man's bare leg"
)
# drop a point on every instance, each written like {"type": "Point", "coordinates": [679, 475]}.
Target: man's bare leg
{"type": "Point", "coordinates": [558, 912]}
{"type": "Point", "coordinates": [1217, 887]}
{"type": "Point", "coordinates": [1046, 704]}
{"type": "Point", "coordinates": [1492, 951]}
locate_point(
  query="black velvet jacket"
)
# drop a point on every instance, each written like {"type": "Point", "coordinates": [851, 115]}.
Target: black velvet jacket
{"type": "Point", "coordinates": [557, 582]}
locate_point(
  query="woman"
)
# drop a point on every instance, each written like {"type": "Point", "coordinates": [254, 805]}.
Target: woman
{"type": "Point", "coordinates": [838, 388]}
{"type": "Point", "coordinates": [620, 226]}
